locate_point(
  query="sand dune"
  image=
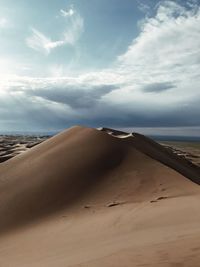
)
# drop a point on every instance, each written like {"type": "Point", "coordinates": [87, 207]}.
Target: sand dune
{"type": "Point", "coordinates": [87, 198]}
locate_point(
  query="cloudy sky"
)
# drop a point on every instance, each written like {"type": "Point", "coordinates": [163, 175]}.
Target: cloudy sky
{"type": "Point", "coordinates": [123, 64]}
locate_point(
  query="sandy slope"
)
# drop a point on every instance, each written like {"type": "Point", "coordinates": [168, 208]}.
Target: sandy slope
{"type": "Point", "coordinates": [86, 198]}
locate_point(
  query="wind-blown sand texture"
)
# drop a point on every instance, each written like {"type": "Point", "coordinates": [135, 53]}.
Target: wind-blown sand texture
{"type": "Point", "coordinates": [99, 198]}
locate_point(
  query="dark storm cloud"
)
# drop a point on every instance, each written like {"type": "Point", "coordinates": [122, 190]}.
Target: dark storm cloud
{"type": "Point", "coordinates": [158, 87]}
{"type": "Point", "coordinates": [29, 114]}
{"type": "Point", "coordinates": [120, 117]}
{"type": "Point", "coordinates": [72, 95]}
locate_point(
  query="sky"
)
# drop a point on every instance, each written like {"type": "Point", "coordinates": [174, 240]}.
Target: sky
{"type": "Point", "coordinates": [128, 64]}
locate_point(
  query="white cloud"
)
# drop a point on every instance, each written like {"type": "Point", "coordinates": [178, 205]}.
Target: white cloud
{"type": "Point", "coordinates": [73, 32]}
{"type": "Point", "coordinates": [143, 7]}
{"type": "Point", "coordinates": [67, 13]}
{"type": "Point", "coordinates": [167, 50]}
{"type": "Point", "coordinates": [4, 23]}
{"type": "Point", "coordinates": [39, 42]}
{"type": "Point", "coordinates": [75, 25]}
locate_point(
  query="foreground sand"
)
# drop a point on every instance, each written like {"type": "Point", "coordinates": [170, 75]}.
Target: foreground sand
{"type": "Point", "coordinates": [85, 198]}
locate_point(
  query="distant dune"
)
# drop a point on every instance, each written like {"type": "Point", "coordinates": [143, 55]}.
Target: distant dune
{"type": "Point", "coordinates": [88, 197]}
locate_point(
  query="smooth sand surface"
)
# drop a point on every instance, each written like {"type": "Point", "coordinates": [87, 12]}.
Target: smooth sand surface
{"type": "Point", "coordinates": [87, 198]}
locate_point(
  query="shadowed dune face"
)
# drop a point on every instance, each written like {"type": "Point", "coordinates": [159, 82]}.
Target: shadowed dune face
{"type": "Point", "coordinates": [51, 175]}
{"type": "Point", "coordinates": [80, 166]}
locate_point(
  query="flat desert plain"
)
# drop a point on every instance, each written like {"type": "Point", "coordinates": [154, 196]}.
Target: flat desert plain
{"type": "Point", "coordinates": [189, 150]}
